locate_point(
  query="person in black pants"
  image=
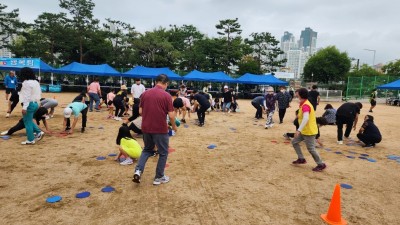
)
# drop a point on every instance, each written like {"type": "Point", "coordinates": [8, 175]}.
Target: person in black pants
{"type": "Point", "coordinates": [136, 120]}
{"type": "Point", "coordinates": [202, 104]}
{"type": "Point", "coordinates": [258, 103]}
{"type": "Point", "coordinates": [313, 97]}
{"type": "Point", "coordinates": [347, 114]}
{"type": "Point", "coordinates": [119, 103]}
{"type": "Point", "coordinates": [369, 133]}
{"type": "Point", "coordinates": [14, 99]}
{"type": "Point", "coordinates": [40, 114]}
{"type": "Point", "coordinates": [283, 98]}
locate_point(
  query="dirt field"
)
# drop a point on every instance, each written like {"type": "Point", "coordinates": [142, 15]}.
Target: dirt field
{"type": "Point", "coordinates": [247, 179]}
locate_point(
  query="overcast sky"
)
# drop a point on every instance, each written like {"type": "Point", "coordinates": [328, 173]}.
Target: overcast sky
{"type": "Point", "coordinates": [351, 26]}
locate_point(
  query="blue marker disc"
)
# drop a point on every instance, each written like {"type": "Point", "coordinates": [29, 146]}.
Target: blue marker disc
{"type": "Point", "coordinates": [362, 157]}
{"type": "Point", "coordinates": [101, 127]}
{"type": "Point", "coordinates": [347, 186]}
{"type": "Point", "coordinates": [83, 194]}
{"type": "Point", "coordinates": [371, 160]}
{"type": "Point", "coordinates": [353, 152]}
{"type": "Point", "coordinates": [393, 157]}
{"type": "Point", "coordinates": [5, 137]}
{"type": "Point", "coordinates": [211, 147]}
{"type": "Point", "coordinates": [53, 199]}
{"type": "Point", "coordinates": [350, 157]}
{"type": "Point", "coordinates": [108, 189]}
{"type": "Point", "coordinates": [101, 158]}
{"type": "Point", "coordinates": [112, 154]}
{"type": "Point", "coordinates": [364, 154]}
{"type": "Point", "coordinates": [328, 149]}
{"type": "Point", "coordinates": [185, 126]}
{"type": "Point", "coordinates": [338, 153]}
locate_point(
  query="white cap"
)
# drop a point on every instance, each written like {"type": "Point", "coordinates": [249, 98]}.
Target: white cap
{"type": "Point", "coordinates": [270, 89]}
{"type": "Point", "coordinates": [67, 112]}
{"type": "Point", "coordinates": [226, 86]}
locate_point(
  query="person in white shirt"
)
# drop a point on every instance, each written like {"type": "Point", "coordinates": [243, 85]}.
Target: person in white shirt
{"type": "Point", "coordinates": [137, 89]}
{"type": "Point", "coordinates": [29, 96]}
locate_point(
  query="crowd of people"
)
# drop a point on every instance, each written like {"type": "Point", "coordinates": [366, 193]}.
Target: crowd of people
{"type": "Point", "coordinates": [147, 114]}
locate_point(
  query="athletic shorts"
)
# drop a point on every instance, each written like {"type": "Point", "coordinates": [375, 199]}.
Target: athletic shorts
{"type": "Point", "coordinates": [373, 102]}
{"type": "Point", "coordinates": [9, 90]}
{"type": "Point", "coordinates": [178, 103]}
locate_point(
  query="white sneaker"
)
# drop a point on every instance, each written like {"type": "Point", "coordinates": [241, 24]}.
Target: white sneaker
{"type": "Point", "coordinates": [39, 136]}
{"type": "Point", "coordinates": [162, 180]}
{"type": "Point", "coordinates": [4, 132]}
{"type": "Point", "coordinates": [127, 161]}
{"type": "Point", "coordinates": [28, 142]}
{"type": "Point", "coordinates": [136, 176]}
{"type": "Point", "coordinates": [118, 118]}
{"type": "Point", "coordinates": [7, 115]}
{"type": "Point", "coordinates": [47, 117]}
{"type": "Point", "coordinates": [340, 142]}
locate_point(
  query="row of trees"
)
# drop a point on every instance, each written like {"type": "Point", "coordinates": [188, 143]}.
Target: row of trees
{"type": "Point", "coordinates": [77, 36]}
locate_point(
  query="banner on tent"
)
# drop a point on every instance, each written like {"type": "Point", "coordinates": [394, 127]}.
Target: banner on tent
{"type": "Point", "coordinates": [20, 62]}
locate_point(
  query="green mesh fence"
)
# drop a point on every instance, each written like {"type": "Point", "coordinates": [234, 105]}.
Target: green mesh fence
{"type": "Point", "coordinates": [361, 87]}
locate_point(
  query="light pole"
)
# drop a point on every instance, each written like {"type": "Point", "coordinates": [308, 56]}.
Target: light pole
{"type": "Point", "coordinates": [371, 50]}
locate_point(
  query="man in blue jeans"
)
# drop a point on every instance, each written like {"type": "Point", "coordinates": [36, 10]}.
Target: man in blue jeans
{"type": "Point", "coordinates": [155, 105]}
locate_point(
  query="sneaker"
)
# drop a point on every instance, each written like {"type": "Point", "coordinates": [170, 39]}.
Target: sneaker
{"type": "Point", "coordinates": [4, 132]}
{"type": "Point", "coordinates": [82, 130]}
{"type": "Point", "coordinates": [340, 142]}
{"type": "Point", "coordinates": [300, 161]}
{"type": "Point", "coordinates": [67, 128]}
{"type": "Point", "coordinates": [154, 154]}
{"type": "Point", "coordinates": [370, 110]}
{"type": "Point", "coordinates": [127, 161]}
{"type": "Point", "coordinates": [7, 115]}
{"type": "Point", "coordinates": [47, 117]}
{"type": "Point", "coordinates": [28, 142]}
{"type": "Point", "coordinates": [162, 180]}
{"type": "Point", "coordinates": [39, 136]}
{"type": "Point", "coordinates": [183, 120]}
{"type": "Point", "coordinates": [319, 168]}
{"type": "Point", "coordinates": [136, 176]}
{"type": "Point", "coordinates": [118, 118]}
{"type": "Point", "coordinates": [286, 136]}
{"type": "Point", "coordinates": [266, 126]}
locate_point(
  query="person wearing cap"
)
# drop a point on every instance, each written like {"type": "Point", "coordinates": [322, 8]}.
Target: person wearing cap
{"type": "Point", "coordinates": [228, 99]}
{"type": "Point", "coordinates": [119, 102]}
{"type": "Point", "coordinates": [269, 106]}
{"type": "Point", "coordinates": [155, 105]}
{"type": "Point", "coordinates": [94, 92]}
{"type": "Point", "coordinates": [137, 89]}
{"type": "Point", "coordinates": [29, 96]}
{"type": "Point", "coordinates": [74, 108]}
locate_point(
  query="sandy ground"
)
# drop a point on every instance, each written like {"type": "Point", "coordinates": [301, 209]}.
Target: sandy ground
{"type": "Point", "coordinates": [247, 179]}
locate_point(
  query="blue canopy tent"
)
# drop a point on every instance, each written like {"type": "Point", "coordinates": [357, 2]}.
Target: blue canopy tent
{"type": "Point", "coordinates": [18, 63]}
{"type": "Point", "coordinates": [86, 69]}
{"type": "Point", "coordinates": [151, 73]}
{"type": "Point", "coordinates": [196, 75]}
{"type": "Point", "coordinates": [395, 85]}
{"type": "Point", "coordinates": [249, 78]}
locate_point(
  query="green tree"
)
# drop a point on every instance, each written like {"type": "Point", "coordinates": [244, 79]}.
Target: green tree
{"type": "Point", "coordinates": [82, 22]}
{"type": "Point", "coordinates": [266, 51]}
{"type": "Point", "coordinates": [230, 31]}
{"type": "Point", "coordinates": [327, 65]}
{"type": "Point", "coordinates": [365, 70]}
{"type": "Point", "coordinates": [393, 68]}
{"type": "Point", "coordinates": [249, 65]}
{"type": "Point", "coordinates": [9, 25]}
{"type": "Point", "coordinates": [184, 39]}
{"type": "Point", "coordinates": [154, 50]}
{"type": "Point", "coordinates": [120, 35]}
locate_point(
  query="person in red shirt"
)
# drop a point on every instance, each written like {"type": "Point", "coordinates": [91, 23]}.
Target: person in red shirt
{"type": "Point", "coordinates": [155, 105]}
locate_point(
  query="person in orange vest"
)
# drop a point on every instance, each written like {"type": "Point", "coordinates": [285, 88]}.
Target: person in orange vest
{"type": "Point", "coordinates": [307, 131]}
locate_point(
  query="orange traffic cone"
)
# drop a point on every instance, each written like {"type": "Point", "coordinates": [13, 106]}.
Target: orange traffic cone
{"type": "Point", "coordinates": [334, 215]}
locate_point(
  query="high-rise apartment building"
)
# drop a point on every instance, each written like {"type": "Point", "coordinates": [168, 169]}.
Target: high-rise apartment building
{"type": "Point", "coordinates": [308, 40]}
{"type": "Point", "coordinates": [297, 53]}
